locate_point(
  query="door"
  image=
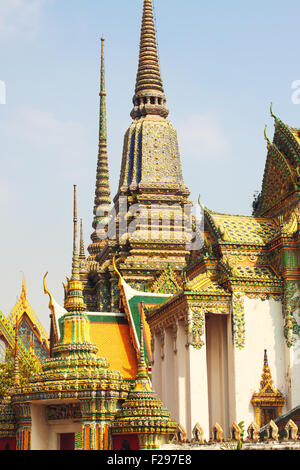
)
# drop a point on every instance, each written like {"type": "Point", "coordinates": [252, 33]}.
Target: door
{"type": "Point", "coordinates": [67, 441]}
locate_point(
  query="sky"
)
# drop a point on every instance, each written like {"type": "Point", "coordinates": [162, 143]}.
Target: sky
{"type": "Point", "coordinates": [222, 64]}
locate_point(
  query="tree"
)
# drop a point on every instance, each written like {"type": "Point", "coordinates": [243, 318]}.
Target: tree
{"type": "Point", "coordinates": [7, 372]}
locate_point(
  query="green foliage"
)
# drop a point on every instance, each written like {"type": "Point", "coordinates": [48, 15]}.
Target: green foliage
{"type": "Point", "coordinates": [26, 370]}
{"type": "Point", "coordinates": [241, 425]}
{"type": "Point", "coordinates": [233, 445]}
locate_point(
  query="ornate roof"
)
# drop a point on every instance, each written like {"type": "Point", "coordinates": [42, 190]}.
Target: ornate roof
{"type": "Point", "coordinates": [281, 175]}
{"type": "Point", "coordinates": [205, 283]}
{"type": "Point", "coordinates": [111, 333]}
{"type": "Point", "coordinates": [8, 333]}
{"type": "Point", "coordinates": [23, 306]}
{"type": "Point", "coordinates": [243, 230]}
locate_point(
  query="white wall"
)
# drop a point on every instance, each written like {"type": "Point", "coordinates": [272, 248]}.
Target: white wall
{"type": "Point", "coordinates": [42, 437]}
{"type": "Point", "coordinates": [156, 366]}
{"type": "Point", "coordinates": [264, 330]}
{"type": "Point", "coordinates": [45, 436]}
{"type": "Point", "coordinates": [294, 378]}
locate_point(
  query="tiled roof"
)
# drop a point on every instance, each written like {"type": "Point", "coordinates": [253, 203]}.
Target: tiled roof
{"type": "Point", "coordinates": [246, 229]}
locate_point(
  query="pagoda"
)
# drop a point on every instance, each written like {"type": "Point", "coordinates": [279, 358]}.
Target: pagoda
{"type": "Point", "coordinates": [149, 226]}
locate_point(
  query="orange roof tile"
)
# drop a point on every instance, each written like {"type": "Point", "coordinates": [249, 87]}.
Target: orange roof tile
{"type": "Point", "coordinates": [113, 341]}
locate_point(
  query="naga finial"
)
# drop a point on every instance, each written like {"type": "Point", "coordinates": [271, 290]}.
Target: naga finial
{"type": "Point", "coordinates": [265, 135]}
{"type": "Point", "coordinates": [271, 111]}
{"type": "Point", "coordinates": [46, 291]}
{"type": "Point", "coordinates": [114, 265]}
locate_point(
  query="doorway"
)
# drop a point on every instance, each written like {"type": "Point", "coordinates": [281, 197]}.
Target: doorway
{"type": "Point", "coordinates": [217, 370]}
{"type": "Point", "coordinates": [67, 441]}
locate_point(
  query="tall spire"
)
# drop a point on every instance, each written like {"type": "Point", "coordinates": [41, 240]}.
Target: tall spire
{"type": "Point", "coordinates": [75, 259]}
{"type": "Point", "coordinates": [81, 254]}
{"type": "Point", "coordinates": [149, 95]}
{"type": "Point", "coordinates": [102, 192]}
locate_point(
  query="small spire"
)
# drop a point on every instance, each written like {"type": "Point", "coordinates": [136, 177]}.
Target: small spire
{"type": "Point", "coordinates": [266, 375]}
{"type": "Point", "coordinates": [74, 298]}
{"type": "Point", "coordinates": [142, 380]}
{"type": "Point", "coordinates": [23, 296]}
{"type": "Point", "coordinates": [103, 124]}
{"type": "Point", "coordinates": [81, 254]}
{"type": "Point", "coordinates": [149, 95]}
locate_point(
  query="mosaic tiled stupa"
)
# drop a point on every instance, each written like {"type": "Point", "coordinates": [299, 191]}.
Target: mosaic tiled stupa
{"type": "Point", "coordinates": [151, 177]}
{"type": "Point", "coordinates": [154, 328]}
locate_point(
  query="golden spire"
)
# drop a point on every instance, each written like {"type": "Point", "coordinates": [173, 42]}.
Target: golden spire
{"type": "Point", "coordinates": [266, 375]}
{"type": "Point", "coordinates": [23, 292]}
{"type": "Point", "coordinates": [149, 95]}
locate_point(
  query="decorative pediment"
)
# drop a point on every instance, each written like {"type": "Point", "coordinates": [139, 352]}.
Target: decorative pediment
{"type": "Point", "coordinates": [253, 433]}
{"type": "Point", "coordinates": [166, 283]}
{"type": "Point", "coordinates": [217, 433]}
{"type": "Point", "coordinates": [272, 432]}
{"type": "Point", "coordinates": [290, 431]}
{"type": "Point", "coordinates": [198, 435]}
{"type": "Point", "coordinates": [180, 435]}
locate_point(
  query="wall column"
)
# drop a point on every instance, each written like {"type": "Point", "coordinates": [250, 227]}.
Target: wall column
{"type": "Point", "coordinates": [175, 383]}
{"type": "Point", "coordinates": [180, 366]}
{"type": "Point", "coordinates": [23, 426]}
{"type": "Point", "coordinates": [164, 384]}
{"type": "Point", "coordinates": [96, 432]}
{"type": "Point", "coordinates": [169, 372]}
{"type": "Point", "coordinates": [156, 363]}
{"type": "Point", "coordinates": [196, 386]}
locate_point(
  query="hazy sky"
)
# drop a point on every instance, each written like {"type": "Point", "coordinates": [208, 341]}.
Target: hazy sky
{"type": "Point", "coordinates": [222, 64]}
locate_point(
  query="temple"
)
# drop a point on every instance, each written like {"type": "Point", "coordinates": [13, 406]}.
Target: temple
{"type": "Point", "coordinates": [167, 319]}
